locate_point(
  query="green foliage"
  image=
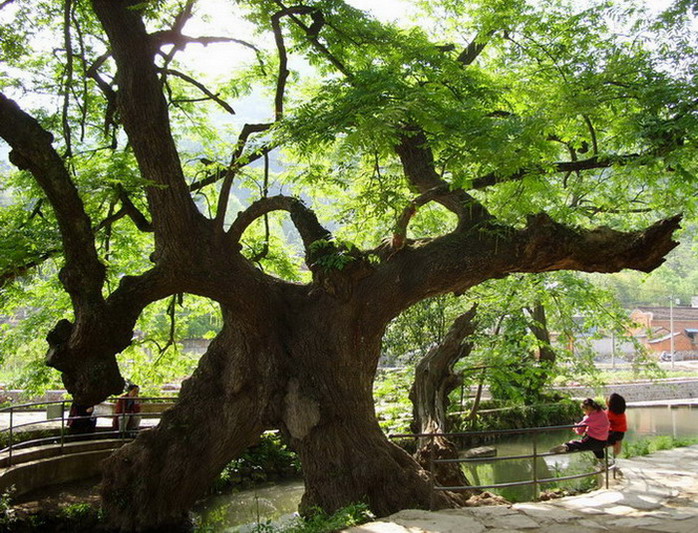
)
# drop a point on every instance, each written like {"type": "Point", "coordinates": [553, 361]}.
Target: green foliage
{"type": "Point", "coordinates": [332, 255]}
{"type": "Point", "coordinates": [650, 445]}
{"type": "Point", "coordinates": [78, 511]}
{"type": "Point", "coordinates": [556, 81]}
{"type": "Point", "coordinates": [269, 459]}
{"type": "Point", "coordinates": [496, 415]}
{"type": "Point", "coordinates": [321, 522]}
{"type": "Point", "coordinates": [391, 394]}
{"type": "Point", "coordinates": [7, 514]}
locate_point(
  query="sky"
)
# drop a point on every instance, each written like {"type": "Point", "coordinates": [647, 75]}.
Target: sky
{"type": "Point", "coordinates": [220, 57]}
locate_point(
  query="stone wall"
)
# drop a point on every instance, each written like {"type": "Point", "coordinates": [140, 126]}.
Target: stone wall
{"type": "Point", "coordinates": [641, 391]}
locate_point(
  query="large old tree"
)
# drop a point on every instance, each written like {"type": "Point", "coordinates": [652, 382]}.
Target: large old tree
{"type": "Point", "coordinates": [539, 138]}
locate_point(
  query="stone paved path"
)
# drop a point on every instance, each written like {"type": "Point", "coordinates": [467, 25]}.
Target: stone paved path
{"type": "Point", "coordinates": [656, 493]}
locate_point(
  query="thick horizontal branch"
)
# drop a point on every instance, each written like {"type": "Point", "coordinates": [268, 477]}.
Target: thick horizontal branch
{"type": "Point", "coordinates": [303, 218]}
{"type": "Point", "coordinates": [461, 260]}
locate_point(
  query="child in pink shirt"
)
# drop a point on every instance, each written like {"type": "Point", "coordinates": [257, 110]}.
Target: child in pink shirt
{"type": "Point", "coordinates": [594, 428]}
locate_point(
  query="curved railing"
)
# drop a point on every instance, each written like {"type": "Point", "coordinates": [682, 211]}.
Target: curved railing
{"type": "Point", "coordinates": [19, 434]}
{"type": "Point", "coordinates": [608, 466]}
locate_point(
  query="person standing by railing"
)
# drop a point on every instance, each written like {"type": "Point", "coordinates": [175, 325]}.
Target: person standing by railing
{"type": "Point", "coordinates": [126, 410]}
{"type": "Point", "coordinates": [80, 419]}
{"type": "Point", "coordinates": [594, 428]}
{"type": "Point", "coordinates": [619, 424]}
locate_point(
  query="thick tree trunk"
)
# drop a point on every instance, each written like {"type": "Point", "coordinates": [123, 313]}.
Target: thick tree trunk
{"type": "Point", "coordinates": [311, 384]}
{"type": "Point", "coordinates": [221, 411]}
{"type": "Point", "coordinates": [330, 418]}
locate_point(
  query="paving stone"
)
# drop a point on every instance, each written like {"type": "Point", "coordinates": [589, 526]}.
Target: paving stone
{"type": "Point", "coordinates": [653, 497]}
{"type": "Point", "coordinates": [436, 522]}
{"type": "Point", "coordinates": [641, 522]}
{"type": "Point", "coordinates": [545, 513]}
{"type": "Point", "coordinates": [513, 521]}
{"type": "Point", "coordinates": [485, 511]}
{"type": "Point", "coordinates": [677, 526]}
{"type": "Point", "coordinates": [567, 528]}
{"type": "Point", "coordinates": [378, 527]}
{"type": "Point", "coordinates": [591, 524]}
{"type": "Point", "coordinates": [642, 501]}
{"type": "Point", "coordinates": [589, 510]}
{"type": "Point", "coordinates": [618, 510]}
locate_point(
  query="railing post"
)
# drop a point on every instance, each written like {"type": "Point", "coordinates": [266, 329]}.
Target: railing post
{"type": "Point", "coordinates": [605, 458]}
{"type": "Point", "coordinates": [62, 425]}
{"type": "Point", "coordinates": [9, 457]}
{"type": "Point", "coordinates": [535, 465]}
{"type": "Point", "coordinates": [433, 473]}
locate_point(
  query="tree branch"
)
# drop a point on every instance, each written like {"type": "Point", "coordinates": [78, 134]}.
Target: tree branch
{"type": "Point", "coordinates": [143, 111]}
{"type": "Point", "coordinates": [83, 273]}
{"type": "Point", "coordinates": [235, 165]}
{"type": "Point", "coordinates": [12, 274]}
{"type": "Point", "coordinates": [68, 73]}
{"type": "Point", "coordinates": [400, 232]}
{"type": "Point", "coordinates": [418, 164]}
{"type": "Point", "coordinates": [106, 89]}
{"type": "Point", "coordinates": [127, 209]}
{"type": "Point", "coordinates": [303, 218]}
{"type": "Point", "coordinates": [312, 31]}
{"type": "Point", "coordinates": [591, 163]}
{"type": "Point", "coordinates": [459, 261]}
{"type": "Point", "coordinates": [202, 88]}
{"type": "Point", "coordinates": [172, 37]}
{"type": "Point", "coordinates": [471, 52]}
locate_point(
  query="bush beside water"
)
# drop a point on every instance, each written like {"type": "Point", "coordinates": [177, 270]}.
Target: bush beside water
{"type": "Point", "coordinates": [268, 460]}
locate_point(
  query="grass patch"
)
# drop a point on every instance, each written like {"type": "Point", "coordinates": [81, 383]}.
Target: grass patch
{"type": "Point", "coordinates": [318, 522]}
{"type": "Point", "coordinates": [650, 445]}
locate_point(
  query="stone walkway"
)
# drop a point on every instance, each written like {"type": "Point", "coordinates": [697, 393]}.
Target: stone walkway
{"type": "Point", "coordinates": [656, 493]}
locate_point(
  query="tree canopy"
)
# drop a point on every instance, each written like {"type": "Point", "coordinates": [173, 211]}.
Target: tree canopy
{"type": "Point", "coordinates": [389, 164]}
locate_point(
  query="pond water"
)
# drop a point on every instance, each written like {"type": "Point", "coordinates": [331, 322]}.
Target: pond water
{"type": "Point", "coordinates": [238, 511]}
{"type": "Point", "coordinates": [642, 422]}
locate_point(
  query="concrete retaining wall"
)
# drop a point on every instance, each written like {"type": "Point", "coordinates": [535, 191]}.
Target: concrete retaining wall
{"type": "Point", "coordinates": [47, 465]}
{"type": "Point", "coordinates": [666, 389]}
{"type": "Point", "coordinates": [28, 476]}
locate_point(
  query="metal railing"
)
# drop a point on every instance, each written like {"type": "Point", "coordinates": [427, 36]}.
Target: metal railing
{"type": "Point", "coordinates": [54, 428]}
{"type": "Point", "coordinates": [608, 466]}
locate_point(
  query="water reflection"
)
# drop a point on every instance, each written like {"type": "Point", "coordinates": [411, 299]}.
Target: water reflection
{"type": "Point", "coordinates": [237, 512]}
{"type": "Point", "coordinates": [662, 420]}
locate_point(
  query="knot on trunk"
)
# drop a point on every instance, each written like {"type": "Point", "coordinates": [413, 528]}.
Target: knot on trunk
{"type": "Point", "coordinates": [301, 413]}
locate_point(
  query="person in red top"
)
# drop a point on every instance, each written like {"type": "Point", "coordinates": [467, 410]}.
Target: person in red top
{"type": "Point", "coordinates": [619, 424]}
{"type": "Point", "coordinates": [594, 428]}
{"type": "Point", "coordinates": [126, 410]}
